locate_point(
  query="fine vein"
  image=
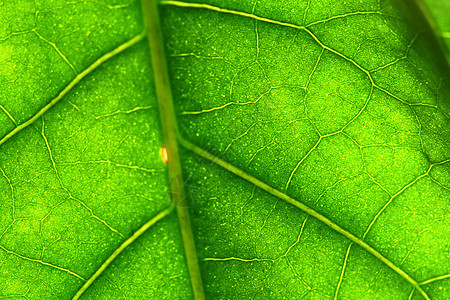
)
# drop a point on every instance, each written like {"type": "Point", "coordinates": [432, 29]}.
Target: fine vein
{"type": "Point", "coordinates": [169, 130]}
{"type": "Point", "coordinates": [122, 247]}
{"type": "Point", "coordinates": [264, 186]}
{"type": "Point", "coordinates": [41, 262]}
{"type": "Point", "coordinates": [73, 83]}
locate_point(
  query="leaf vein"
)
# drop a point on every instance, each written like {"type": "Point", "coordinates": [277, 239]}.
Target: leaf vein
{"type": "Point", "coordinates": [264, 186]}
{"type": "Point", "coordinates": [41, 262]}
{"type": "Point", "coordinates": [72, 84]}
{"type": "Point", "coordinates": [122, 247]}
{"type": "Point", "coordinates": [67, 190]}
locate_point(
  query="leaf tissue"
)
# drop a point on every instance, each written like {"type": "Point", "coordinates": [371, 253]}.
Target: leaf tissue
{"type": "Point", "coordinates": [224, 149]}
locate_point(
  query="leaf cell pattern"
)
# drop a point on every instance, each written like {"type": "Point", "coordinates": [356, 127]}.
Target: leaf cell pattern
{"type": "Point", "coordinates": [343, 108]}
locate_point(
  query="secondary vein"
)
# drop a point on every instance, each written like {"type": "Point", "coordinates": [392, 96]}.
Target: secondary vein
{"type": "Point", "coordinates": [122, 247]}
{"type": "Point", "coordinates": [228, 11]}
{"type": "Point", "coordinates": [72, 84]}
{"type": "Point", "coordinates": [169, 128]}
{"type": "Point", "coordinates": [271, 190]}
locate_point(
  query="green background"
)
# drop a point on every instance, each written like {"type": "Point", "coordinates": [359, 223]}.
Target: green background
{"type": "Point", "coordinates": [343, 106]}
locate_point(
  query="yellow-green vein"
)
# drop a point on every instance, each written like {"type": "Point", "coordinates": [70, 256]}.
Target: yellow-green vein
{"type": "Point", "coordinates": [264, 186]}
{"type": "Point", "coordinates": [73, 83]}
{"type": "Point", "coordinates": [122, 247]}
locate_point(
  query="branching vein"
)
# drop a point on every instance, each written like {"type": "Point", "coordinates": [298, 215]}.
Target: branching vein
{"type": "Point", "coordinates": [122, 247]}
{"type": "Point", "coordinates": [72, 84]}
{"type": "Point", "coordinates": [67, 190]}
{"type": "Point", "coordinates": [264, 186]}
{"type": "Point", "coordinates": [42, 262]}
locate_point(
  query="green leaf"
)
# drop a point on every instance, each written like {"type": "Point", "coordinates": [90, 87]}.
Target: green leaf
{"type": "Point", "coordinates": [436, 13]}
{"type": "Point", "coordinates": [308, 150]}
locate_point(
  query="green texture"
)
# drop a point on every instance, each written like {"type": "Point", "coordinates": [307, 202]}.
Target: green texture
{"type": "Point", "coordinates": [437, 12]}
{"type": "Point", "coordinates": [308, 149]}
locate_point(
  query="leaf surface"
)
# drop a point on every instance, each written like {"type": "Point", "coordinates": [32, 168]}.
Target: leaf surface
{"type": "Point", "coordinates": [437, 17]}
{"type": "Point", "coordinates": [314, 139]}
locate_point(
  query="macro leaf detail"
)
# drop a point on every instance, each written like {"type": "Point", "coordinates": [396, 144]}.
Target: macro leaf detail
{"type": "Point", "coordinates": [313, 138]}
